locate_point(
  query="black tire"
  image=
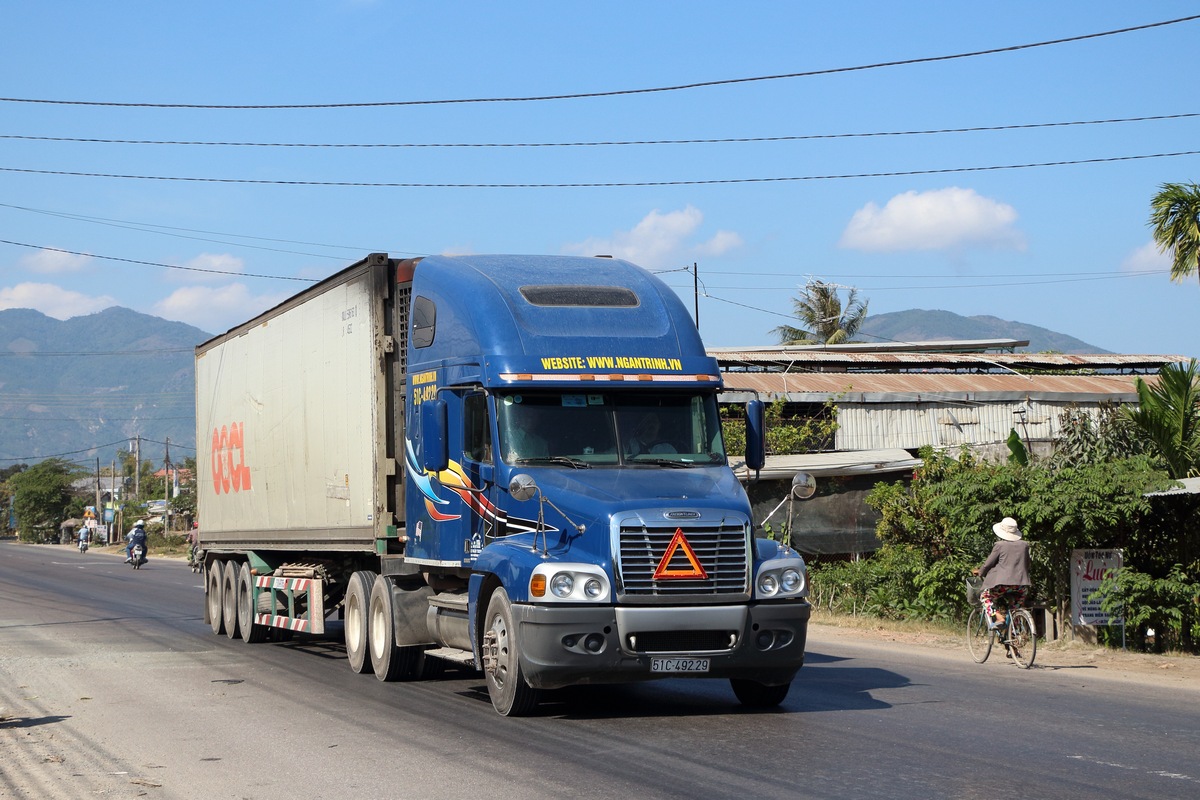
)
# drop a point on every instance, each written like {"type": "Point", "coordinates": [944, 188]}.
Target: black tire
{"type": "Point", "coordinates": [391, 663]}
{"type": "Point", "coordinates": [356, 621]}
{"type": "Point", "coordinates": [753, 694]}
{"type": "Point", "coordinates": [1022, 642]}
{"type": "Point", "coordinates": [252, 632]}
{"type": "Point", "coordinates": [979, 636]}
{"type": "Point", "coordinates": [229, 598]}
{"type": "Point", "coordinates": [511, 694]}
{"type": "Point", "coordinates": [213, 601]}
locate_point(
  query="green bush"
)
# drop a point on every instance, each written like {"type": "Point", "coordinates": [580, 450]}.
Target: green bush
{"type": "Point", "coordinates": [893, 583]}
{"type": "Point", "coordinates": [1167, 606]}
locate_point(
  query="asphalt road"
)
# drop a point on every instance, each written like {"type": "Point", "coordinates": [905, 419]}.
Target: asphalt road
{"type": "Point", "coordinates": [112, 685]}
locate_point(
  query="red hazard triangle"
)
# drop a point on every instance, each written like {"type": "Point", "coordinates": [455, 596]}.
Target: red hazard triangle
{"type": "Point", "coordinates": [694, 570]}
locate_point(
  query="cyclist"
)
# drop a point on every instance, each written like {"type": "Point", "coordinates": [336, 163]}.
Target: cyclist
{"type": "Point", "coordinates": [1005, 572]}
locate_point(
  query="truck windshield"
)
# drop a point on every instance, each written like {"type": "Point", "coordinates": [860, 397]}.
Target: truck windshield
{"type": "Point", "coordinates": [606, 429]}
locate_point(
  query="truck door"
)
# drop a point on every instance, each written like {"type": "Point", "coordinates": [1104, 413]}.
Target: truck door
{"type": "Point", "coordinates": [479, 471]}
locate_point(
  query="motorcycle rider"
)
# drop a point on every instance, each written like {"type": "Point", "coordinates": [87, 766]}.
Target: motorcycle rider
{"type": "Point", "coordinates": [85, 537]}
{"type": "Point", "coordinates": [137, 535]}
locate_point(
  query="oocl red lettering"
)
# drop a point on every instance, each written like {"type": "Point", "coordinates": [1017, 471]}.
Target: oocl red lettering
{"type": "Point", "coordinates": [229, 470]}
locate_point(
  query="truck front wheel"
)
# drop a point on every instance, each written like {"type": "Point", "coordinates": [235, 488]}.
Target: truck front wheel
{"type": "Point", "coordinates": [511, 695]}
{"type": "Point", "coordinates": [758, 695]}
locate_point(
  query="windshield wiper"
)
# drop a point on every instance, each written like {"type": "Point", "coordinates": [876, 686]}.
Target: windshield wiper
{"type": "Point", "coordinates": [571, 462]}
{"type": "Point", "coordinates": [662, 462]}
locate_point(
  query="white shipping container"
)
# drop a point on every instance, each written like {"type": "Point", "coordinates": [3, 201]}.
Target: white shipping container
{"type": "Point", "coordinates": [289, 411]}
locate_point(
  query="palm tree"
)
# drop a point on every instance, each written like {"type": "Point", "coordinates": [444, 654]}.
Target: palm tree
{"type": "Point", "coordinates": [1175, 220]}
{"type": "Point", "coordinates": [1169, 414]}
{"type": "Point", "coordinates": [820, 310]}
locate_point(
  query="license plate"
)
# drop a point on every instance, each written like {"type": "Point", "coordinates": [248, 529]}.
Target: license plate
{"type": "Point", "coordinates": [679, 665]}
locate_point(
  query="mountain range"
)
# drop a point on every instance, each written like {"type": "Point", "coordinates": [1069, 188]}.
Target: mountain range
{"type": "Point", "coordinates": [86, 387]}
{"type": "Point", "coordinates": [925, 326]}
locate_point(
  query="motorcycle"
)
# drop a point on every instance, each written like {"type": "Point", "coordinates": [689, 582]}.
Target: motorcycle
{"type": "Point", "coordinates": [83, 544]}
{"type": "Point", "coordinates": [137, 555]}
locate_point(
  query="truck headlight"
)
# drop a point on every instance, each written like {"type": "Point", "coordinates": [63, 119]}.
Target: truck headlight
{"type": "Point", "coordinates": [790, 581]}
{"type": "Point", "coordinates": [780, 578]}
{"type": "Point", "coordinates": [562, 584]}
{"type": "Point", "coordinates": [569, 583]}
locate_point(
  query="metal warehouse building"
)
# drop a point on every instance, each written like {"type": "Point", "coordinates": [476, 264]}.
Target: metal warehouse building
{"type": "Point", "coordinates": [892, 400]}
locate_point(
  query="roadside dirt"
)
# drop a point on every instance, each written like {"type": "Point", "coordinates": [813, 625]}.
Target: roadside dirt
{"type": "Point", "coordinates": [1177, 669]}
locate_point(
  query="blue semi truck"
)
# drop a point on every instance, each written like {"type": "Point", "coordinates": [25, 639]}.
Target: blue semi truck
{"type": "Point", "coordinates": [512, 462]}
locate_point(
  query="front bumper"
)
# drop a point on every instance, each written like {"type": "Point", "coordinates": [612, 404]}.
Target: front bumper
{"type": "Point", "coordinates": [564, 646]}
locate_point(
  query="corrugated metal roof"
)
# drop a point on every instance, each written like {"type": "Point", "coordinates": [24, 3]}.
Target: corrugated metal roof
{"type": "Point", "coordinates": [821, 359]}
{"type": "Point", "coordinates": [1190, 486]}
{"type": "Point", "coordinates": [934, 387]}
{"type": "Point", "coordinates": [941, 346]}
{"type": "Point", "coordinates": [840, 463]}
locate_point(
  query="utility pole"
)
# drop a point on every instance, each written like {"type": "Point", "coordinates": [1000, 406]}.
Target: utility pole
{"type": "Point", "coordinates": [696, 291]}
{"type": "Point", "coordinates": [167, 486]}
{"type": "Point", "coordinates": [137, 468]}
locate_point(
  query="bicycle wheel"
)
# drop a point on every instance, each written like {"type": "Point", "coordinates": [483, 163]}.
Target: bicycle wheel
{"type": "Point", "coordinates": [979, 637]}
{"type": "Point", "coordinates": [1023, 638]}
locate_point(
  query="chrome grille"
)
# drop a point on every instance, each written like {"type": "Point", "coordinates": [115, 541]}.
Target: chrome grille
{"type": "Point", "coordinates": [722, 551]}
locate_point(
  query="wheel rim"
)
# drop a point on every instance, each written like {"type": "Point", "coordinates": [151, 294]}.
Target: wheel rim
{"type": "Point", "coordinates": [356, 624]}
{"type": "Point", "coordinates": [379, 639]}
{"type": "Point", "coordinates": [499, 630]}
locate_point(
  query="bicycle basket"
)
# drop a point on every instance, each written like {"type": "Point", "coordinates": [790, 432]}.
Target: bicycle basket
{"type": "Point", "coordinates": [974, 587]}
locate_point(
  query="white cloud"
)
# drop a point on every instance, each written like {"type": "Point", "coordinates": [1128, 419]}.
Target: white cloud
{"type": "Point", "coordinates": [54, 262]}
{"type": "Point", "coordinates": [660, 240]}
{"type": "Point", "coordinates": [942, 219]}
{"type": "Point", "coordinates": [209, 267]}
{"type": "Point", "coordinates": [53, 301]}
{"type": "Point", "coordinates": [215, 309]}
{"type": "Point", "coordinates": [1146, 259]}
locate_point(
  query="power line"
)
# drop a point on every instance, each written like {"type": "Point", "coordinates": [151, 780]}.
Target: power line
{"type": "Point", "coordinates": [168, 230]}
{"type": "Point", "coordinates": [42, 353]}
{"type": "Point", "coordinates": [1077, 278]}
{"type": "Point", "coordinates": [617, 92]}
{"type": "Point", "coordinates": [613, 143]}
{"type": "Point", "coordinates": [157, 263]}
{"type": "Point", "coordinates": [602, 184]}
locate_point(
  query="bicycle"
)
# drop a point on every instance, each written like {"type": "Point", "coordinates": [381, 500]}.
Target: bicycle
{"type": "Point", "coordinates": [1017, 633]}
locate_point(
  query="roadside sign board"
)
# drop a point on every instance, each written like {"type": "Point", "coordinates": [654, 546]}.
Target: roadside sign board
{"type": "Point", "coordinates": [1088, 569]}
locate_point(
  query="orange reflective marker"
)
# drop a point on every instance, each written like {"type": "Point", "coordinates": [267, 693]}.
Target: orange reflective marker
{"type": "Point", "coordinates": [694, 570]}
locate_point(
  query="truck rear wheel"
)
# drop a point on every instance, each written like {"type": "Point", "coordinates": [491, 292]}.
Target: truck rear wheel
{"type": "Point", "coordinates": [213, 580]}
{"type": "Point", "coordinates": [511, 694]}
{"type": "Point", "coordinates": [391, 663]}
{"type": "Point", "coordinates": [356, 620]}
{"type": "Point", "coordinates": [229, 598]}
{"type": "Point", "coordinates": [252, 632]}
{"type": "Point", "coordinates": [753, 694]}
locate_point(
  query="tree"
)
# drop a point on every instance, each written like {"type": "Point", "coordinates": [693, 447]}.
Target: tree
{"type": "Point", "coordinates": [946, 513]}
{"type": "Point", "coordinates": [825, 321]}
{"type": "Point", "coordinates": [1168, 416]}
{"type": "Point", "coordinates": [41, 495]}
{"type": "Point", "coordinates": [1175, 223]}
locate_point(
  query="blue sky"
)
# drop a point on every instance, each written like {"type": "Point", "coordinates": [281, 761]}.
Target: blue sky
{"type": "Point", "coordinates": [1063, 247]}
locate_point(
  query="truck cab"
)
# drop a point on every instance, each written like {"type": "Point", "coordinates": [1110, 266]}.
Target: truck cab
{"type": "Point", "coordinates": [567, 478]}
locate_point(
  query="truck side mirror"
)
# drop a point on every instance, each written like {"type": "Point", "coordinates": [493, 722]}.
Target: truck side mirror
{"type": "Point", "coordinates": [522, 487]}
{"type": "Point", "coordinates": [756, 435]}
{"type": "Point", "coordinates": [804, 486]}
{"type": "Point", "coordinates": [435, 452]}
